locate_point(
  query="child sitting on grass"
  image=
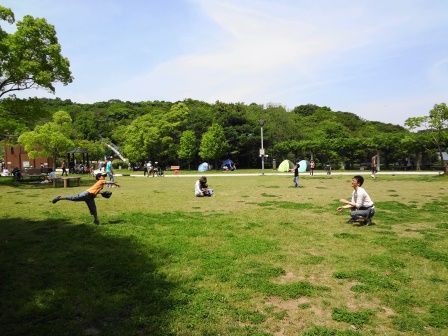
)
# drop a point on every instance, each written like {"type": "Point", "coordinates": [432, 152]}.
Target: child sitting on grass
{"type": "Point", "coordinates": [201, 188]}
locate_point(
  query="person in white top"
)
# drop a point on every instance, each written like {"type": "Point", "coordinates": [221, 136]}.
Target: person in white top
{"type": "Point", "coordinates": [361, 205]}
{"type": "Point", "coordinates": [52, 175]}
{"type": "Point", "coordinates": [149, 168]}
{"type": "Point", "coordinates": [201, 188]}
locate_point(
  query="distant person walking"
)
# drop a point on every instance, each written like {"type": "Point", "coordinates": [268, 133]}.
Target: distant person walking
{"type": "Point", "coordinates": [296, 174]}
{"type": "Point", "coordinates": [328, 169]}
{"type": "Point", "coordinates": [312, 167]}
{"type": "Point", "coordinates": [149, 168]}
{"type": "Point", "coordinates": [110, 170]}
{"type": "Point", "coordinates": [374, 166]}
{"type": "Point", "coordinates": [64, 168]}
{"type": "Point", "coordinates": [157, 170]}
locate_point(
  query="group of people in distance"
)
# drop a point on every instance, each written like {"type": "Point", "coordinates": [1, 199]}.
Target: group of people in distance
{"type": "Point", "coordinates": [153, 170]}
{"type": "Point", "coordinates": [361, 205]}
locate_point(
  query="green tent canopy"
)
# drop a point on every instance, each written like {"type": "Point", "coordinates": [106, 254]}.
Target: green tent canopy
{"type": "Point", "coordinates": [285, 166]}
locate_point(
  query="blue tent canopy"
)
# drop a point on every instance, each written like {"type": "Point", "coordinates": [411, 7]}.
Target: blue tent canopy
{"type": "Point", "coordinates": [227, 163]}
{"type": "Point", "coordinates": [203, 167]}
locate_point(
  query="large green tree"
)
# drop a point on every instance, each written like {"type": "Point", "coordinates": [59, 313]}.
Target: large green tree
{"type": "Point", "coordinates": [31, 56]}
{"type": "Point", "coordinates": [415, 145]}
{"type": "Point", "coordinates": [155, 135]}
{"type": "Point", "coordinates": [187, 146]}
{"type": "Point", "coordinates": [50, 139]}
{"type": "Point", "coordinates": [437, 124]}
{"type": "Point", "coordinates": [96, 149]}
{"type": "Point", "coordinates": [213, 143]}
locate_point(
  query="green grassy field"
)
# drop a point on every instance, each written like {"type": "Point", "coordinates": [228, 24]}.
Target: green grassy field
{"type": "Point", "coordinates": [258, 258]}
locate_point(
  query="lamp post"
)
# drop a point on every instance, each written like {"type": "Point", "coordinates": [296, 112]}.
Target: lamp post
{"type": "Point", "coordinates": [262, 147]}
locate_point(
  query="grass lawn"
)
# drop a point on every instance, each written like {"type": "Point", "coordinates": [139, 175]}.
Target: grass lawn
{"type": "Point", "coordinates": [258, 258]}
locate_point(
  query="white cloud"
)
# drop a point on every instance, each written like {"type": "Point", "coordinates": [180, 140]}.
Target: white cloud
{"type": "Point", "coordinates": [258, 53]}
{"type": "Point", "coordinates": [438, 73]}
{"type": "Point", "coordinates": [391, 110]}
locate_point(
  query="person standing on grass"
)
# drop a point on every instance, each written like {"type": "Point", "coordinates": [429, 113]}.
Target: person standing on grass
{"type": "Point", "coordinates": [89, 195]}
{"type": "Point", "coordinates": [361, 205]}
{"type": "Point", "coordinates": [149, 169]}
{"type": "Point", "coordinates": [328, 168]}
{"type": "Point", "coordinates": [64, 168]}
{"type": "Point", "coordinates": [374, 165]}
{"type": "Point", "coordinates": [296, 174]}
{"type": "Point", "coordinates": [156, 169]}
{"type": "Point", "coordinates": [110, 170]}
{"type": "Point", "coordinates": [312, 167]}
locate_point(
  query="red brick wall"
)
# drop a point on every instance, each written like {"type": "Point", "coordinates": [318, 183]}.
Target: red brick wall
{"type": "Point", "coordinates": [15, 156]}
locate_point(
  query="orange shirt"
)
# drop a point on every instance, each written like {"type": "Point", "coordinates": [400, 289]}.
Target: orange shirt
{"type": "Point", "coordinates": [97, 187]}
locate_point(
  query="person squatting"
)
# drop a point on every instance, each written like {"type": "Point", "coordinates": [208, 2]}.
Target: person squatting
{"type": "Point", "coordinates": [361, 205]}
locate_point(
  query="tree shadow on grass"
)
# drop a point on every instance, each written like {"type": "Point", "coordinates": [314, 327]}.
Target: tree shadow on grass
{"type": "Point", "coordinates": [62, 279]}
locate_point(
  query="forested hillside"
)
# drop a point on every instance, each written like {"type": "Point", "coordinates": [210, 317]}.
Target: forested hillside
{"type": "Point", "coordinates": [191, 131]}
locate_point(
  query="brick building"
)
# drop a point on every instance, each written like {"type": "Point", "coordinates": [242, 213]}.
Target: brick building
{"type": "Point", "coordinates": [16, 156]}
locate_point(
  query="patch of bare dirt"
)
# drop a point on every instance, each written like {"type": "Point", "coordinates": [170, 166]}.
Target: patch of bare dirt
{"type": "Point", "coordinates": [286, 278]}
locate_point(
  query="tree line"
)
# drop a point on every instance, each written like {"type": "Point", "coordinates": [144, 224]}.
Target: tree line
{"type": "Point", "coordinates": [188, 132]}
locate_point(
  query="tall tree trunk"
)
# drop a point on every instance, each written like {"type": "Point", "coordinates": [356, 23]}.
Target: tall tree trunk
{"type": "Point", "coordinates": [444, 168]}
{"type": "Point", "coordinates": [419, 161]}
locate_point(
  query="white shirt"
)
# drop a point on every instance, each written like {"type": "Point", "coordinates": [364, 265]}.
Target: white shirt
{"type": "Point", "coordinates": [197, 189]}
{"type": "Point", "coordinates": [361, 198]}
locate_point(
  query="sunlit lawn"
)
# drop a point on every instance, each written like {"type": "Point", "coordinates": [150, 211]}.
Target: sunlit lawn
{"type": "Point", "coordinates": [258, 258]}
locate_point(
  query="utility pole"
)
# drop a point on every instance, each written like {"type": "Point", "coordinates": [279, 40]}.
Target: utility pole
{"type": "Point", "coordinates": [262, 147]}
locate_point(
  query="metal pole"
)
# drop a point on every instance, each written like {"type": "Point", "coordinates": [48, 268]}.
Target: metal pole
{"type": "Point", "coordinates": [262, 151]}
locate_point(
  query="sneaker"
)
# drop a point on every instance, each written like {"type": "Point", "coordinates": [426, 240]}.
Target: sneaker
{"type": "Point", "coordinates": [368, 221]}
{"type": "Point", "coordinates": [56, 199]}
{"type": "Point", "coordinates": [96, 221]}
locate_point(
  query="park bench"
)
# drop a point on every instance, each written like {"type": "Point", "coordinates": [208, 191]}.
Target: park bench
{"type": "Point", "coordinates": [33, 174]}
{"type": "Point", "coordinates": [176, 169]}
{"type": "Point", "coordinates": [27, 177]}
{"type": "Point", "coordinates": [67, 181]}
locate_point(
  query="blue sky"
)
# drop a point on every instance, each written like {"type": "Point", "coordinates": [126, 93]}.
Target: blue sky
{"type": "Point", "coordinates": [383, 60]}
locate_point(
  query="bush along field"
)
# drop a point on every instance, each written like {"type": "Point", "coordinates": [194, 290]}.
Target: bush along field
{"type": "Point", "coordinates": [258, 258]}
